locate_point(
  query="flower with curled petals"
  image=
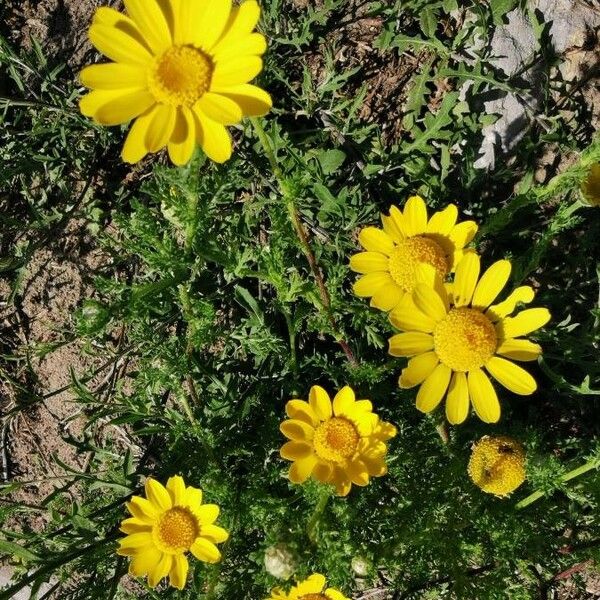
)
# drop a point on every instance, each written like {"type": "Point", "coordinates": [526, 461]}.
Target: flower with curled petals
{"type": "Point", "coordinates": [169, 522]}
{"type": "Point", "coordinates": [408, 238]}
{"type": "Point", "coordinates": [313, 588]}
{"type": "Point", "coordinates": [340, 442]}
{"type": "Point", "coordinates": [452, 334]}
{"type": "Point", "coordinates": [181, 70]}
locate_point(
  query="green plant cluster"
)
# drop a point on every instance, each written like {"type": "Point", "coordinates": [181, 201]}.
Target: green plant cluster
{"type": "Point", "coordinates": [209, 312]}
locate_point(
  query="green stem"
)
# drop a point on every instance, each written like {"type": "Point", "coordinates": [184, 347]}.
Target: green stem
{"type": "Point", "coordinates": [311, 526]}
{"type": "Point", "coordinates": [588, 466]}
{"type": "Point", "coordinates": [302, 236]}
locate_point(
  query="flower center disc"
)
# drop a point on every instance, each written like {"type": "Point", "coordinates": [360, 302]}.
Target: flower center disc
{"type": "Point", "coordinates": [408, 254]}
{"type": "Point", "coordinates": [181, 76]}
{"type": "Point", "coordinates": [314, 597]}
{"type": "Point", "coordinates": [177, 530]}
{"type": "Point", "coordinates": [336, 440]}
{"type": "Point", "coordinates": [465, 339]}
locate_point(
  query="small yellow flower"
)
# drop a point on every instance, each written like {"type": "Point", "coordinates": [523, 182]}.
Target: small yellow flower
{"type": "Point", "coordinates": [590, 188]}
{"type": "Point", "coordinates": [408, 239]}
{"type": "Point", "coordinates": [181, 69]}
{"type": "Point", "coordinates": [497, 465]}
{"type": "Point", "coordinates": [313, 588]}
{"type": "Point", "coordinates": [454, 332]}
{"type": "Point", "coordinates": [165, 525]}
{"type": "Point", "coordinates": [339, 443]}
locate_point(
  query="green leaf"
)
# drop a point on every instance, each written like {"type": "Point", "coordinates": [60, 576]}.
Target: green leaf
{"type": "Point", "coordinates": [331, 161]}
{"type": "Point", "coordinates": [15, 550]}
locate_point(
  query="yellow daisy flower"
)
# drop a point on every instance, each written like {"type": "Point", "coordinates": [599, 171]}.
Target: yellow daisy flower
{"type": "Point", "coordinates": [453, 333]}
{"type": "Point", "coordinates": [339, 443]}
{"type": "Point", "coordinates": [408, 238]}
{"type": "Point", "coordinates": [590, 188]}
{"type": "Point", "coordinates": [497, 465]}
{"type": "Point", "coordinates": [165, 525]}
{"type": "Point", "coordinates": [313, 588]}
{"type": "Point", "coordinates": [181, 69]}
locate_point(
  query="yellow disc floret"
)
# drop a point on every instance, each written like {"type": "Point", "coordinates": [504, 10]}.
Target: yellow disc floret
{"type": "Point", "coordinates": [497, 465]}
{"type": "Point", "coordinates": [407, 255]}
{"type": "Point", "coordinates": [336, 440]}
{"type": "Point", "coordinates": [177, 530]}
{"type": "Point", "coordinates": [465, 340]}
{"type": "Point", "coordinates": [314, 597]}
{"type": "Point", "coordinates": [180, 76]}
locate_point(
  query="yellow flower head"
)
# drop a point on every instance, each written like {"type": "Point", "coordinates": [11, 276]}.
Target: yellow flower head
{"type": "Point", "coordinates": [313, 588]}
{"type": "Point", "coordinates": [339, 443]}
{"type": "Point", "coordinates": [165, 525]}
{"type": "Point", "coordinates": [497, 465]}
{"type": "Point", "coordinates": [453, 333]}
{"type": "Point", "coordinates": [590, 188]}
{"type": "Point", "coordinates": [181, 69]}
{"type": "Point", "coordinates": [408, 238]}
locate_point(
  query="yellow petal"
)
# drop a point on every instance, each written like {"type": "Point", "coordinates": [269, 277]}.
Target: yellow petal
{"type": "Point", "coordinates": [376, 240]}
{"type": "Point", "coordinates": [176, 488]}
{"type": "Point", "coordinates": [523, 350]}
{"type": "Point", "coordinates": [142, 509]}
{"type": "Point", "coordinates": [483, 395]}
{"type": "Point", "coordinates": [511, 376]}
{"type": "Point", "coordinates": [220, 109]}
{"type": "Point", "coordinates": [212, 20]}
{"type": "Point", "coordinates": [157, 494]}
{"type": "Point", "coordinates": [358, 472]}
{"type": "Point", "coordinates": [429, 302]}
{"type": "Point", "coordinates": [457, 401]}
{"type": "Point", "coordinates": [253, 44]}
{"type": "Point", "coordinates": [524, 294]}
{"type": "Point", "coordinates": [134, 148]}
{"type": "Point", "coordinates": [242, 22]}
{"type": "Point", "coordinates": [113, 107]}
{"type": "Point", "coordinates": [322, 472]}
{"type": "Point", "coordinates": [525, 322]}
{"type": "Point", "coordinates": [301, 410]}
{"type": "Point", "coordinates": [119, 46]}
{"type": "Point", "coordinates": [463, 233]}
{"type": "Point", "coordinates": [111, 76]}
{"type": "Point", "coordinates": [160, 571]}
{"type": "Point", "coordinates": [301, 469]}
{"type": "Point", "coordinates": [214, 534]}
{"type": "Point", "coordinates": [369, 262]}
{"type": "Point", "coordinates": [145, 562]}
{"type": "Point", "coordinates": [371, 283]}
{"type": "Point", "coordinates": [343, 401]}
{"type": "Point", "coordinates": [207, 514]}
{"type": "Point", "coordinates": [418, 370]}
{"type": "Point", "coordinates": [134, 525]}
{"type": "Point", "coordinates": [315, 584]}
{"type": "Point", "coordinates": [236, 70]}
{"type": "Point", "coordinates": [432, 390]}
{"type": "Point", "coordinates": [443, 222]}
{"type": "Point", "coordinates": [179, 571]}
{"type": "Point", "coordinates": [295, 450]}
{"type": "Point", "coordinates": [465, 279]}
{"type": "Point", "coordinates": [213, 138]}
{"type": "Point", "coordinates": [132, 544]}
{"type": "Point", "coordinates": [183, 139]}
{"type": "Point", "coordinates": [410, 343]}
{"type": "Point", "coordinates": [407, 317]}
{"type": "Point", "coordinates": [151, 22]}
{"type": "Point", "coordinates": [391, 228]}
{"type": "Point", "coordinates": [335, 595]}
{"type": "Point", "coordinates": [205, 550]}
{"type": "Point", "coordinates": [320, 403]}
{"type": "Point", "coordinates": [387, 297]}
{"type": "Point", "coordinates": [427, 274]}
{"type": "Point", "coordinates": [415, 216]}
{"type": "Point", "coordinates": [296, 430]}
{"type": "Point", "coordinates": [492, 282]}
{"type": "Point", "coordinates": [252, 100]}
{"type": "Point", "coordinates": [193, 497]}
{"type": "Point", "coordinates": [160, 128]}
